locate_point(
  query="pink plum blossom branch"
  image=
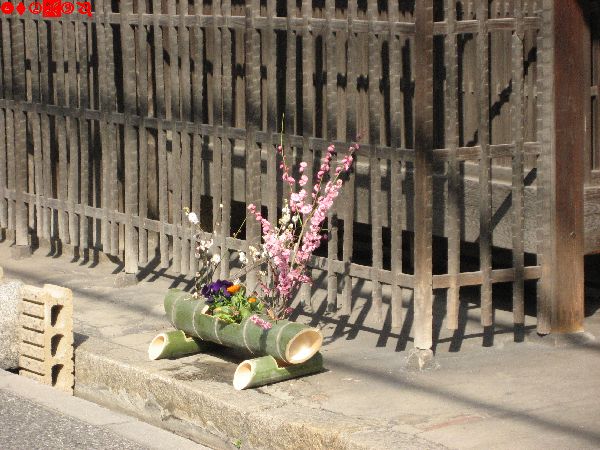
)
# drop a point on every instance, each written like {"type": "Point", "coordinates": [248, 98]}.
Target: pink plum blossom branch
{"type": "Point", "coordinates": [290, 245]}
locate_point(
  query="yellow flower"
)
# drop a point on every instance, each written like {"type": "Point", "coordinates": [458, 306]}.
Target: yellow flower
{"type": "Point", "coordinates": [233, 289]}
{"type": "Point", "coordinates": [252, 300]}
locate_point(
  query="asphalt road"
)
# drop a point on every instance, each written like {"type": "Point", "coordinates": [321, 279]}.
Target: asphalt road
{"type": "Point", "coordinates": [33, 416]}
{"type": "Point", "coordinates": [26, 424]}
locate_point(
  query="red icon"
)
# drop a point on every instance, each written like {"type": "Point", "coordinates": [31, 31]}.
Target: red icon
{"type": "Point", "coordinates": [85, 8]}
{"type": "Point", "coordinates": [35, 8]}
{"type": "Point", "coordinates": [7, 8]}
{"type": "Point", "coordinates": [48, 8]}
{"type": "Point", "coordinates": [52, 8]}
{"type": "Point", "coordinates": [68, 8]}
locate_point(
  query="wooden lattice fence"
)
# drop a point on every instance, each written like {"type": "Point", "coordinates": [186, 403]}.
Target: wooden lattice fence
{"type": "Point", "coordinates": [110, 125]}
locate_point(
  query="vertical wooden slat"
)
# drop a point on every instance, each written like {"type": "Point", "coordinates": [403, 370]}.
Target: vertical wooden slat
{"type": "Point", "coordinates": [485, 166]}
{"type": "Point", "coordinates": [112, 149]}
{"type": "Point", "coordinates": [423, 301]}
{"type": "Point", "coordinates": [375, 163]}
{"type": "Point", "coordinates": [350, 134]}
{"type": "Point", "coordinates": [30, 125]}
{"type": "Point", "coordinates": [226, 175]}
{"type": "Point", "coordinates": [185, 178]}
{"type": "Point", "coordinates": [332, 134]}
{"type": "Point", "coordinates": [186, 109]}
{"type": "Point", "coordinates": [469, 81]}
{"type": "Point", "coordinates": [531, 76]}
{"type": "Point", "coordinates": [451, 102]}
{"type": "Point", "coordinates": [72, 130]}
{"type": "Point", "coordinates": [269, 58]}
{"type": "Point", "coordinates": [197, 44]}
{"type": "Point", "coordinates": [308, 108]}
{"type": "Point", "coordinates": [7, 67]}
{"type": "Point", "coordinates": [21, 169]}
{"type": "Point", "coordinates": [175, 116]}
{"type": "Point", "coordinates": [216, 106]}
{"type": "Point", "coordinates": [163, 206]}
{"type": "Point", "coordinates": [104, 86]}
{"type": "Point", "coordinates": [141, 66]}
{"type": "Point", "coordinates": [196, 184]}
{"type": "Point", "coordinates": [93, 135]}
{"type": "Point", "coordinates": [517, 113]}
{"type": "Point", "coordinates": [290, 72]}
{"type": "Point", "coordinates": [31, 35]}
{"type": "Point", "coordinates": [45, 97]}
{"type": "Point", "coordinates": [131, 149]}
{"type": "Point", "coordinates": [10, 164]}
{"type": "Point", "coordinates": [197, 56]}
{"type": "Point", "coordinates": [545, 83]}
{"type": "Point", "coordinates": [60, 127]}
{"type": "Point", "coordinates": [253, 158]}
{"type": "Point", "coordinates": [499, 75]}
{"type": "Point", "coordinates": [396, 175]}
{"type": "Point", "coordinates": [84, 104]}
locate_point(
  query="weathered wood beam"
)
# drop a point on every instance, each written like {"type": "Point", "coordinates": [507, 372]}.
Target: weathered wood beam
{"type": "Point", "coordinates": [563, 277]}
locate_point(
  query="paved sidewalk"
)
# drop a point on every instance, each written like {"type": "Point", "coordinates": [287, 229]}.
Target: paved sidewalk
{"type": "Point", "coordinates": [510, 395]}
{"type": "Point", "coordinates": [33, 416]}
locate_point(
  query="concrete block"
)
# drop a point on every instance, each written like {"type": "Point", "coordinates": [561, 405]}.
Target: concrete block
{"type": "Point", "coordinates": [10, 297]}
{"type": "Point", "coordinates": [46, 336]}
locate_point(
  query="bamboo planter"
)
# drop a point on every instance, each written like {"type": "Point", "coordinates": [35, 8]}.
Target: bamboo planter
{"type": "Point", "coordinates": [266, 370]}
{"type": "Point", "coordinates": [287, 342]}
{"type": "Point", "coordinates": [174, 344]}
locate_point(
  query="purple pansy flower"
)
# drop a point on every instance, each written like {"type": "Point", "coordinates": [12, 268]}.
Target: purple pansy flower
{"type": "Point", "coordinates": [219, 287]}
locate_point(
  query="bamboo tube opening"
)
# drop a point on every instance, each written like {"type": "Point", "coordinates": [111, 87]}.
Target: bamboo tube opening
{"type": "Point", "coordinates": [157, 346]}
{"type": "Point", "coordinates": [243, 375]}
{"type": "Point", "coordinates": [303, 346]}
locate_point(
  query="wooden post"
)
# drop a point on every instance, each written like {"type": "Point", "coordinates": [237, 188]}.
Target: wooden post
{"type": "Point", "coordinates": [131, 149]}
{"type": "Point", "coordinates": [423, 174]}
{"type": "Point", "coordinates": [563, 278]}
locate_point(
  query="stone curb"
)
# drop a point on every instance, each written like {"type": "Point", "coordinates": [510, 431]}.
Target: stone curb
{"type": "Point", "coordinates": [213, 413]}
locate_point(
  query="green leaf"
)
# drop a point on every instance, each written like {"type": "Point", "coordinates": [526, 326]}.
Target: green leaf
{"type": "Point", "coordinates": [245, 312]}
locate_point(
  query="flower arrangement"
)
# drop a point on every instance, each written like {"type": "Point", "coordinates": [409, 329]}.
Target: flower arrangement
{"type": "Point", "coordinates": [285, 251]}
{"type": "Point", "coordinates": [229, 301]}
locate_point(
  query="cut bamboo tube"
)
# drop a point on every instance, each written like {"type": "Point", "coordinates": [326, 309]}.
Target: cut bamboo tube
{"type": "Point", "coordinates": [286, 341]}
{"type": "Point", "coordinates": [265, 370]}
{"type": "Point", "coordinates": [173, 344]}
